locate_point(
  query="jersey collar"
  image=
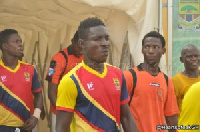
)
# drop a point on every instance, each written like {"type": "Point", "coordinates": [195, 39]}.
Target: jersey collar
{"type": "Point", "coordinates": [102, 75]}
{"type": "Point", "coordinates": [140, 68]}
{"type": "Point", "coordinates": [8, 68]}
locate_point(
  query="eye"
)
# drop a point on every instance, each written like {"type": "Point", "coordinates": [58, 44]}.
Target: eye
{"type": "Point", "coordinates": [147, 47]}
{"type": "Point", "coordinates": [157, 47]}
{"type": "Point", "coordinates": [107, 38]}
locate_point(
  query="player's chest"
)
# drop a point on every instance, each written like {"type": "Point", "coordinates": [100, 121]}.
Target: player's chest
{"type": "Point", "coordinates": [101, 87]}
{"type": "Point", "coordinates": [13, 79]}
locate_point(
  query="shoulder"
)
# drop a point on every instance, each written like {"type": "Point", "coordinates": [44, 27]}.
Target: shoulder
{"type": "Point", "coordinates": [59, 56]}
{"type": "Point", "coordinates": [113, 68]}
{"type": "Point", "coordinates": [178, 75]}
{"type": "Point", "coordinates": [73, 71]}
{"type": "Point", "coordinates": [26, 65]}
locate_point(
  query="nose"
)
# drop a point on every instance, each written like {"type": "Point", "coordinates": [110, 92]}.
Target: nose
{"type": "Point", "coordinates": [151, 50]}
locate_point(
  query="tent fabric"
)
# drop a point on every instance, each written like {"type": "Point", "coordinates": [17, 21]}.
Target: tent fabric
{"type": "Point", "coordinates": [46, 26]}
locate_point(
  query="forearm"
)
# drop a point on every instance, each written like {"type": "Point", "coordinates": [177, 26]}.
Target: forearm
{"type": "Point", "coordinates": [52, 98]}
{"type": "Point", "coordinates": [38, 101]}
{"type": "Point", "coordinates": [63, 120]}
{"type": "Point", "coordinates": [127, 120]}
{"type": "Point", "coordinates": [171, 121]}
{"type": "Point", "coordinates": [52, 90]}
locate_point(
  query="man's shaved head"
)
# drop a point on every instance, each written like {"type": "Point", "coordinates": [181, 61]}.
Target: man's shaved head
{"type": "Point", "coordinates": [188, 47]}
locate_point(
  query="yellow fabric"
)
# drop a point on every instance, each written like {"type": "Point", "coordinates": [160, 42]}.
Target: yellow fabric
{"type": "Point", "coordinates": [190, 114]}
{"type": "Point", "coordinates": [181, 86]}
{"type": "Point", "coordinates": [68, 86]}
{"type": "Point", "coordinates": [13, 95]}
{"type": "Point", "coordinates": [78, 123]}
{"type": "Point", "coordinates": [8, 118]}
{"type": "Point", "coordinates": [9, 69]}
{"type": "Point", "coordinates": [102, 75]}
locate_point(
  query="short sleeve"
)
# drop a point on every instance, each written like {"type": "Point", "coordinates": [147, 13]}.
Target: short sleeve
{"type": "Point", "coordinates": [171, 107]}
{"type": "Point", "coordinates": [129, 80]}
{"type": "Point", "coordinates": [56, 68]}
{"type": "Point", "coordinates": [35, 82]}
{"type": "Point", "coordinates": [67, 94]}
{"type": "Point", "coordinates": [124, 93]}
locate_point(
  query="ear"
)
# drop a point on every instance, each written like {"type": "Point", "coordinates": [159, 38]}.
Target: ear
{"type": "Point", "coordinates": [181, 59]}
{"type": "Point", "coordinates": [164, 50]}
{"type": "Point", "coordinates": [4, 46]}
{"type": "Point", "coordinates": [81, 42]}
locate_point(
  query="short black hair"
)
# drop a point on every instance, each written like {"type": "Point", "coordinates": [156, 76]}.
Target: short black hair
{"type": "Point", "coordinates": [155, 34]}
{"type": "Point", "coordinates": [5, 34]}
{"type": "Point", "coordinates": [75, 38]}
{"type": "Point", "coordinates": [86, 24]}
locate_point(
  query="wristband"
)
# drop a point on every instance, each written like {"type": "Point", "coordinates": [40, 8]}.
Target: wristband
{"type": "Point", "coordinates": [36, 113]}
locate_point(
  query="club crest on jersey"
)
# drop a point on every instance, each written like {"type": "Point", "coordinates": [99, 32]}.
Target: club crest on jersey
{"type": "Point", "coordinates": [117, 85]}
{"type": "Point", "coordinates": [27, 76]}
{"type": "Point", "coordinates": [51, 72]}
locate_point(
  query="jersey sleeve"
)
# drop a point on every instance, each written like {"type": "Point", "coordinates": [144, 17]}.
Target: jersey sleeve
{"type": "Point", "coordinates": [67, 94]}
{"type": "Point", "coordinates": [56, 68]}
{"type": "Point", "coordinates": [171, 107]}
{"type": "Point", "coordinates": [35, 82]}
{"type": "Point", "coordinates": [129, 81]}
{"type": "Point", "coordinates": [124, 93]}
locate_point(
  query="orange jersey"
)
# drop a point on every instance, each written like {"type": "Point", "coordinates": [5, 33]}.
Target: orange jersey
{"type": "Point", "coordinates": [59, 66]}
{"type": "Point", "coordinates": [152, 99]}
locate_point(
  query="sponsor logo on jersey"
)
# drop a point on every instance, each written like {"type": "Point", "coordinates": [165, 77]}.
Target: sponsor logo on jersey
{"type": "Point", "coordinates": [90, 86]}
{"type": "Point", "coordinates": [154, 84]}
{"type": "Point", "coordinates": [3, 78]}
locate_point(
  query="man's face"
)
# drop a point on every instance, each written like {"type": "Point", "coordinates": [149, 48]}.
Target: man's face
{"type": "Point", "coordinates": [191, 58]}
{"type": "Point", "coordinates": [152, 50]}
{"type": "Point", "coordinates": [96, 46]}
{"type": "Point", "coordinates": [14, 45]}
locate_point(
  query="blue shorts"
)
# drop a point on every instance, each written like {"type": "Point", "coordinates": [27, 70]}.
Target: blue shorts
{"type": "Point", "coordinates": [11, 129]}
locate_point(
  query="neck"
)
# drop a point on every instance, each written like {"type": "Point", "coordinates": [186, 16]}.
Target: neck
{"type": "Point", "coordinates": [99, 67]}
{"type": "Point", "coordinates": [191, 73]}
{"type": "Point", "coordinates": [10, 62]}
{"type": "Point", "coordinates": [153, 69]}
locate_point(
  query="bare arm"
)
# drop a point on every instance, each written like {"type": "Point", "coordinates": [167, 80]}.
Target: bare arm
{"type": "Point", "coordinates": [127, 120]}
{"type": "Point", "coordinates": [52, 89]}
{"type": "Point", "coordinates": [32, 121]}
{"type": "Point", "coordinates": [171, 121]}
{"type": "Point", "coordinates": [63, 120]}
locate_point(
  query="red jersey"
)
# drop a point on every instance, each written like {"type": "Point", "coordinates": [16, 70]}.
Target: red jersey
{"type": "Point", "coordinates": [16, 93]}
{"type": "Point", "coordinates": [94, 98]}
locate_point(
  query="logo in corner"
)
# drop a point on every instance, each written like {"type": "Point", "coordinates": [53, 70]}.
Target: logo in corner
{"type": "Point", "coordinates": [117, 84]}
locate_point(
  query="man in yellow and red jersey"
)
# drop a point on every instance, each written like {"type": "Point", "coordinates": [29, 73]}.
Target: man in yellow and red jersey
{"type": "Point", "coordinates": [19, 87]}
{"type": "Point", "coordinates": [93, 96]}
{"type": "Point", "coordinates": [61, 64]}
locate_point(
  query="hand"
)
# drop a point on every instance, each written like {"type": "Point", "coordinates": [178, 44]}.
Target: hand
{"type": "Point", "coordinates": [30, 123]}
{"type": "Point", "coordinates": [43, 113]}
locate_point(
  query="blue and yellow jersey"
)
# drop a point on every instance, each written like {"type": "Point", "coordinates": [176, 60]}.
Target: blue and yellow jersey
{"type": "Point", "coordinates": [94, 98]}
{"type": "Point", "coordinates": [16, 98]}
